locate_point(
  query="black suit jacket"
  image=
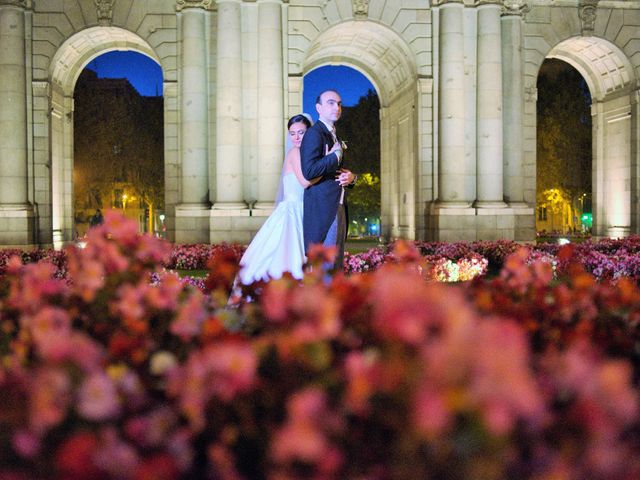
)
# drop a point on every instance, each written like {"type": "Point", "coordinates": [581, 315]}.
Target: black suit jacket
{"type": "Point", "coordinates": [320, 199]}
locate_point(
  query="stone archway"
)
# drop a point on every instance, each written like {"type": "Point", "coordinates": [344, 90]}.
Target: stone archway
{"type": "Point", "coordinates": [385, 59]}
{"type": "Point", "coordinates": [609, 75]}
{"type": "Point", "coordinates": [67, 64]}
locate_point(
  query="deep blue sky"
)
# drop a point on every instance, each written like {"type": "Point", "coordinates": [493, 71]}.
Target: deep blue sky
{"type": "Point", "coordinates": [142, 72]}
{"type": "Point", "coordinates": [146, 76]}
{"type": "Point", "coordinates": [350, 83]}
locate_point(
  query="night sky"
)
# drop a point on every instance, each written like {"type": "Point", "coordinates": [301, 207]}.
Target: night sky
{"type": "Point", "coordinates": [146, 76]}
{"type": "Point", "coordinates": [141, 71]}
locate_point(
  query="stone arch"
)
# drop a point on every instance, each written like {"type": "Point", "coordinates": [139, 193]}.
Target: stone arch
{"type": "Point", "coordinates": [77, 51]}
{"type": "Point", "coordinates": [604, 66]}
{"type": "Point", "coordinates": [387, 61]}
{"type": "Point", "coordinates": [611, 79]}
{"type": "Point", "coordinates": [376, 51]}
{"type": "Point", "coordinates": [65, 68]}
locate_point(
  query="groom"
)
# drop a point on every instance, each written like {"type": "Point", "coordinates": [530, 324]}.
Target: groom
{"type": "Point", "coordinates": [321, 155]}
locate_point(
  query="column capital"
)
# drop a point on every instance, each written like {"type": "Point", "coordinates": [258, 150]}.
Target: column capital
{"type": "Point", "coordinates": [514, 8]}
{"type": "Point", "coordinates": [16, 3]}
{"type": "Point", "coordinates": [203, 4]}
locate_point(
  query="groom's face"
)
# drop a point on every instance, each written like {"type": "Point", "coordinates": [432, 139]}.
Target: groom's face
{"type": "Point", "coordinates": [330, 107]}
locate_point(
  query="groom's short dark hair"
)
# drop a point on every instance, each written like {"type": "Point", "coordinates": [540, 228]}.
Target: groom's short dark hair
{"type": "Point", "coordinates": [319, 97]}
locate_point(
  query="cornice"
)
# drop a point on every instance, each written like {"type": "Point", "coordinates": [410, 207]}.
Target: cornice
{"type": "Point", "coordinates": [439, 3]}
{"type": "Point", "coordinates": [16, 3]}
{"type": "Point", "coordinates": [479, 3]}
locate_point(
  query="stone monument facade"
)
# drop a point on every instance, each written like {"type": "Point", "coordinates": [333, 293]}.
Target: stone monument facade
{"type": "Point", "coordinates": [456, 81]}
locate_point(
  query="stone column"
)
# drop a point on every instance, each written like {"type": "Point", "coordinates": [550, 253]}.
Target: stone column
{"type": "Point", "coordinates": [229, 171]}
{"type": "Point", "coordinates": [194, 107]}
{"type": "Point", "coordinates": [634, 138]}
{"type": "Point", "coordinates": [451, 175]}
{"type": "Point", "coordinates": [16, 213]}
{"type": "Point", "coordinates": [270, 101]}
{"type": "Point", "coordinates": [489, 105]}
{"type": "Point", "coordinates": [513, 101]}
{"type": "Point", "coordinates": [13, 106]}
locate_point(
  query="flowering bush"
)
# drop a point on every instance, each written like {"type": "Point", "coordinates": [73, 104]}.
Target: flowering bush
{"type": "Point", "coordinates": [113, 374]}
{"type": "Point", "coordinates": [196, 256]}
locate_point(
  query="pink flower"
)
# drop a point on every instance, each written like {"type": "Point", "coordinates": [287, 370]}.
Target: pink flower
{"type": "Point", "coordinates": [502, 382]}
{"type": "Point", "coordinates": [50, 396]}
{"type": "Point", "coordinates": [47, 325]}
{"type": "Point", "coordinates": [191, 316]}
{"type": "Point", "coordinates": [275, 300]}
{"type": "Point", "coordinates": [362, 373]}
{"type": "Point", "coordinates": [98, 398]}
{"type": "Point", "coordinates": [115, 456]}
{"type": "Point", "coordinates": [408, 309]}
{"type": "Point", "coordinates": [180, 446]}
{"type": "Point", "coordinates": [304, 436]}
{"type": "Point", "coordinates": [316, 312]}
{"type": "Point", "coordinates": [130, 304]}
{"type": "Point", "coordinates": [153, 429]}
{"type": "Point", "coordinates": [220, 370]}
{"type": "Point", "coordinates": [34, 286]}
{"type": "Point", "coordinates": [164, 295]}
{"type": "Point", "coordinates": [431, 416]}
{"type": "Point", "coordinates": [76, 347]}
{"type": "Point", "coordinates": [26, 443]}
{"type": "Point", "coordinates": [87, 275]}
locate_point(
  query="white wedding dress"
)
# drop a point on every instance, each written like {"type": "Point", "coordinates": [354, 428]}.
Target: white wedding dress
{"type": "Point", "coordinates": [278, 246]}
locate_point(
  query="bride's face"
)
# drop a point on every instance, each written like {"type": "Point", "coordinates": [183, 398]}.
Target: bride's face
{"type": "Point", "coordinates": [296, 132]}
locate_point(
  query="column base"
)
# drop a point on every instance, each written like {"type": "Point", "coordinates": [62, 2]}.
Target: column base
{"type": "Point", "coordinates": [622, 231]}
{"type": "Point", "coordinates": [489, 204]}
{"type": "Point", "coordinates": [518, 205]}
{"type": "Point", "coordinates": [192, 223]}
{"type": "Point", "coordinates": [474, 223]}
{"type": "Point", "coordinates": [229, 206]}
{"type": "Point", "coordinates": [451, 204]}
{"type": "Point", "coordinates": [235, 225]}
{"type": "Point", "coordinates": [17, 226]}
{"type": "Point", "coordinates": [264, 205]}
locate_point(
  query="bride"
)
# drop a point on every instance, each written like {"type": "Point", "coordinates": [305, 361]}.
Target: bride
{"type": "Point", "coordinates": [278, 246]}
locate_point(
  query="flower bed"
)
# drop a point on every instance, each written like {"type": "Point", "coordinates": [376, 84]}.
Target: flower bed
{"type": "Point", "coordinates": [456, 261]}
{"type": "Point", "coordinates": [112, 374]}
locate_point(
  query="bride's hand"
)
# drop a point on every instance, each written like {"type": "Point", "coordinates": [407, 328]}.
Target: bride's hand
{"type": "Point", "coordinates": [336, 146]}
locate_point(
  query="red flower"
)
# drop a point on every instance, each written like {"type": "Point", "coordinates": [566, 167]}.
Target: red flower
{"type": "Point", "coordinates": [158, 467]}
{"type": "Point", "coordinates": [74, 459]}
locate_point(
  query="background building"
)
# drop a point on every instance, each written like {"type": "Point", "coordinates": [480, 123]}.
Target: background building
{"type": "Point", "coordinates": [118, 151]}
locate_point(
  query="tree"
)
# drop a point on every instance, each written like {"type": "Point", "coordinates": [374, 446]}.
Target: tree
{"type": "Point", "coordinates": [360, 128]}
{"type": "Point", "coordinates": [564, 130]}
{"type": "Point", "coordinates": [364, 199]}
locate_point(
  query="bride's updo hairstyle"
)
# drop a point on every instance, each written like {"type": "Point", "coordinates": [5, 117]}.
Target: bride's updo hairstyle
{"type": "Point", "coordinates": [299, 119]}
